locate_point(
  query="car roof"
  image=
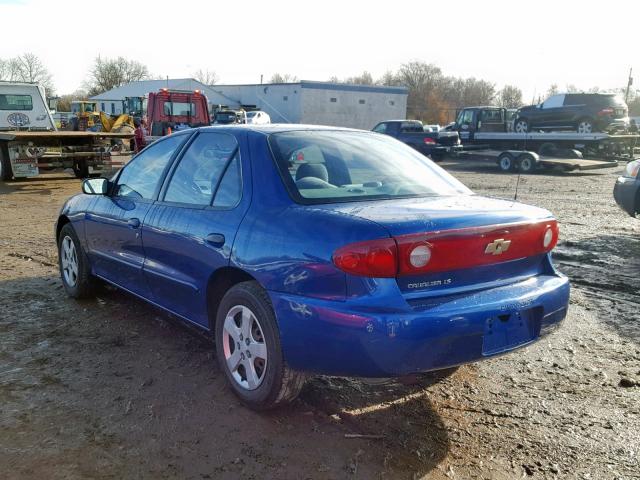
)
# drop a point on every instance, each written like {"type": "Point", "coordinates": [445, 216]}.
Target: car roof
{"type": "Point", "coordinates": [270, 128]}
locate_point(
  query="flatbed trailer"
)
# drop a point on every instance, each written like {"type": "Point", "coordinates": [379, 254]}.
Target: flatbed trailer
{"type": "Point", "coordinates": [591, 145]}
{"type": "Point", "coordinates": [25, 153]}
{"type": "Point", "coordinates": [526, 161]}
{"type": "Point", "coordinates": [487, 127]}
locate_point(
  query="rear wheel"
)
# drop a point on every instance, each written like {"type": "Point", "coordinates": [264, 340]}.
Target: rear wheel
{"type": "Point", "coordinates": [505, 162]}
{"type": "Point", "coordinates": [585, 125]}
{"type": "Point", "coordinates": [80, 169]}
{"type": "Point", "coordinates": [248, 349]}
{"type": "Point", "coordinates": [521, 125]}
{"type": "Point", "coordinates": [526, 163]}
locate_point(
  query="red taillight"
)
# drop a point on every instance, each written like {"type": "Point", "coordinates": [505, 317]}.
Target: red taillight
{"type": "Point", "coordinates": [429, 141]}
{"type": "Point", "coordinates": [375, 258]}
{"type": "Point", "coordinates": [606, 111]}
{"type": "Point", "coordinates": [447, 250]}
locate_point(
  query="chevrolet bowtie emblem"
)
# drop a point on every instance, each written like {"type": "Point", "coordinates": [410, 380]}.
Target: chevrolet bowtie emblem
{"type": "Point", "coordinates": [498, 247]}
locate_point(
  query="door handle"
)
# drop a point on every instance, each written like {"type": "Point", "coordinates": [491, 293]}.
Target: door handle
{"type": "Point", "coordinates": [215, 239]}
{"type": "Point", "coordinates": [133, 223]}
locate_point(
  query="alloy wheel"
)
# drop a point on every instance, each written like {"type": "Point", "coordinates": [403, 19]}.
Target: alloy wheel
{"type": "Point", "coordinates": [245, 350]}
{"type": "Point", "coordinates": [522, 127]}
{"type": "Point", "coordinates": [585, 127]}
{"type": "Point", "coordinates": [69, 260]}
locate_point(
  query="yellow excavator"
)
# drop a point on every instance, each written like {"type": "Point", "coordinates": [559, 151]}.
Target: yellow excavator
{"type": "Point", "coordinates": [87, 117]}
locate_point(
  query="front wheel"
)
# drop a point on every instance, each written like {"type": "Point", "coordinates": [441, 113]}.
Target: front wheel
{"type": "Point", "coordinates": [521, 125]}
{"type": "Point", "coordinates": [75, 271]}
{"type": "Point", "coordinates": [506, 163]}
{"type": "Point", "coordinates": [248, 349]}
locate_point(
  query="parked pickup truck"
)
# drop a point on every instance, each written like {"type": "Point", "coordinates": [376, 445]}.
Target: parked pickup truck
{"type": "Point", "coordinates": [433, 144]}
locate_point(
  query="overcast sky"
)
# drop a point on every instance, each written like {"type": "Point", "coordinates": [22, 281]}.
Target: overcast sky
{"type": "Point", "coordinates": [528, 44]}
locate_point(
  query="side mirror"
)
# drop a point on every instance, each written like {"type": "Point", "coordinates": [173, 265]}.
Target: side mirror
{"type": "Point", "coordinates": [95, 186]}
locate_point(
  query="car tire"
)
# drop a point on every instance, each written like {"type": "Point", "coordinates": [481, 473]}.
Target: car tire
{"type": "Point", "coordinates": [506, 163]}
{"type": "Point", "coordinates": [526, 163]}
{"type": "Point", "coordinates": [73, 263]}
{"type": "Point", "coordinates": [521, 125]}
{"type": "Point", "coordinates": [248, 350]}
{"type": "Point", "coordinates": [6, 173]}
{"type": "Point", "coordinates": [585, 125]}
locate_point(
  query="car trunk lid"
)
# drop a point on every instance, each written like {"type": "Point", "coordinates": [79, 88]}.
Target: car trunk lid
{"type": "Point", "coordinates": [472, 242]}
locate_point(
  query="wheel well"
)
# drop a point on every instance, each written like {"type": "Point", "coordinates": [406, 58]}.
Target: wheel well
{"type": "Point", "coordinates": [219, 283]}
{"type": "Point", "coordinates": [62, 221]}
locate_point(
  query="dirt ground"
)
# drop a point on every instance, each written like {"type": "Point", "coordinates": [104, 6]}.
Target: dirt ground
{"type": "Point", "coordinates": [114, 388]}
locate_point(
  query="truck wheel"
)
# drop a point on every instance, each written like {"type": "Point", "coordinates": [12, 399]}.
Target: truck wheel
{"type": "Point", "coordinates": [80, 169]}
{"type": "Point", "coordinates": [585, 125]}
{"type": "Point", "coordinates": [6, 173]}
{"type": "Point", "coordinates": [526, 163]}
{"type": "Point", "coordinates": [505, 162]}
{"type": "Point", "coordinates": [521, 125]}
{"type": "Point", "coordinates": [248, 349]}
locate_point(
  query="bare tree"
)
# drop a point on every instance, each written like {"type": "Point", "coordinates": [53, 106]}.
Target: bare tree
{"type": "Point", "coordinates": [509, 97]}
{"type": "Point", "coordinates": [26, 68]}
{"type": "Point", "coordinates": [111, 73]}
{"type": "Point", "coordinates": [553, 90]}
{"type": "Point", "coordinates": [208, 77]}
{"type": "Point", "coordinates": [388, 79]}
{"type": "Point", "coordinates": [283, 78]}
{"type": "Point", "coordinates": [365, 78]}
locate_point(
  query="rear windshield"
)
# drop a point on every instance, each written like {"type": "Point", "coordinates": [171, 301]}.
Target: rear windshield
{"type": "Point", "coordinates": [335, 166]}
{"type": "Point", "coordinates": [179, 108]}
{"type": "Point", "coordinates": [411, 127]}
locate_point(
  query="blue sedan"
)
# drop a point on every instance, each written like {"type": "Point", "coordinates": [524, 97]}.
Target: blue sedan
{"type": "Point", "coordinates": [315, 250]}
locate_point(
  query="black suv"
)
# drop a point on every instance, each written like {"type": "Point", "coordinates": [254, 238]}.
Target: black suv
{"type": "Point", "coordinates": [580, 112]}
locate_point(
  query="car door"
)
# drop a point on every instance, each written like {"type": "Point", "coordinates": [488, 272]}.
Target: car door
{"type": "Point", "coordinates": [188, 234]}
{"type": "Point", "coordinates": [113, 221]}
{"type": "Point", "coordinates": [551, 113]}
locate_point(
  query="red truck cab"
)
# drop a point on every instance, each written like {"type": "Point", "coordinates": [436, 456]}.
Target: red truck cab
{"type": "Point", "coordinates": [172, 110]}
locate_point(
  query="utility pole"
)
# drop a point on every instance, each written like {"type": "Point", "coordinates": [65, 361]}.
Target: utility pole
{"type": "Point", "coordinates": [629, 83]}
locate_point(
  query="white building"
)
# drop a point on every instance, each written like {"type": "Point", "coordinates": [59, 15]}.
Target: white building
{"type": "Point", "coordinates": [321, 103]}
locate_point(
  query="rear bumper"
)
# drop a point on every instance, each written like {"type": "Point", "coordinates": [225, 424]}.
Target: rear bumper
{"type": "Point", "coordinates": [625, 193]}
{"type": "Point", "coordinates": [337, 338]}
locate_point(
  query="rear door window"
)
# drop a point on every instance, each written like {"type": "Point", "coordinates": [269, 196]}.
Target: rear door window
{"type": "Point", "coordinates": [199, 174]}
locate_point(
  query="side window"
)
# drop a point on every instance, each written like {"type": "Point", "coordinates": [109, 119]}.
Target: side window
{"type": "Point", "coordinates": [553, 101]}
{"type": "Point", "coordinates": [141, 176]}
{"type": "Point", "coordinates": [198, 174]}
{"type": "Point", "coordinates": [230, 188]}
{"type": "Point", "coordinates": [380, 128]}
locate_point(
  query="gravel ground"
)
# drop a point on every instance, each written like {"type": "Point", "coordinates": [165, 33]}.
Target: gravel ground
{"type": "Point", "coordinates": [114, 388]}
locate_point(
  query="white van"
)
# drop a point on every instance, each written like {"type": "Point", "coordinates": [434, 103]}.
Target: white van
{"type": "Point", "coordinates": [23, 107]}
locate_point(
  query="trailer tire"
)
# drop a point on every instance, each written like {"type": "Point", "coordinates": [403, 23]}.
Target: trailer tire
{"type": "Point", "coordinates": [526, 163]}
{"type": "Point", "coordinates": [506, 163]}
{"type": "Point", "coordinates": [6, 173]}
{"type": "Point", "coordinates": [521, 125]}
